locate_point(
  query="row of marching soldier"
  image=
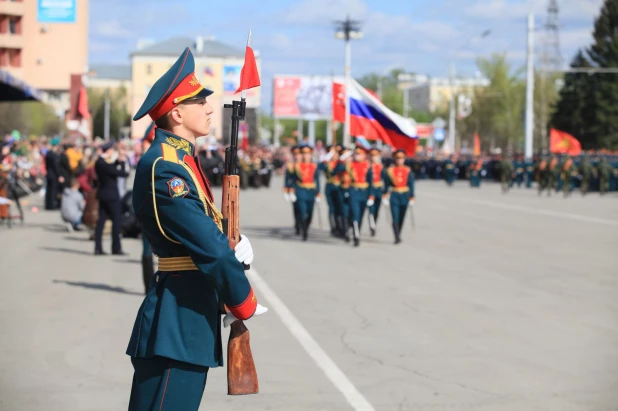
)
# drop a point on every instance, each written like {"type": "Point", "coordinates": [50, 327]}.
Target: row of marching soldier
{"type": "Point", "coordinates": [357, 183]}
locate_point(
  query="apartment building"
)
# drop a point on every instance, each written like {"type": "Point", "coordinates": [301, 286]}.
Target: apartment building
{"type": "Point", "coordinates": [43, 42]}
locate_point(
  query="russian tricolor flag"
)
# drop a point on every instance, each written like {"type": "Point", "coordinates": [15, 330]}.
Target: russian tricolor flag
{"type": "Point", "coordinates": [373, 120]}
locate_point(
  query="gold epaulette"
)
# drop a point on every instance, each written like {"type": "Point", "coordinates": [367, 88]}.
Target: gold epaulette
{"type": "Point", "coordinates": [169, 153]}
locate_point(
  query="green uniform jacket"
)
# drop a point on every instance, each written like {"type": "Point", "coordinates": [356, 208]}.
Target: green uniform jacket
{"type": "Point", "coordinates": [180, 317]}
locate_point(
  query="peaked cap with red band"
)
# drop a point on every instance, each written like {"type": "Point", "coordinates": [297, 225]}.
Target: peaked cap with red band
{"type": "Point", "coordinates": [150, 132]}
{"type": "Point", "coordinates": [178, 84]}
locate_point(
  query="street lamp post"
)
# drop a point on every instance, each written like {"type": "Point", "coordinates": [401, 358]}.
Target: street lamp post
{"type": "Point", "coordinates": [452, 110]}
{"type": "Point", "coordinates": [347, 30]}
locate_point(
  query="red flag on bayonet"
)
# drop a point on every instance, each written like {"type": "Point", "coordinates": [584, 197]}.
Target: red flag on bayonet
{"type": "Point", "coordinates": [249, 76]}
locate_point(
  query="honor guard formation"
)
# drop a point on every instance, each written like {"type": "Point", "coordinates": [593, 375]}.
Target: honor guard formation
{"type": "Point", "coordinates": [357, 183]}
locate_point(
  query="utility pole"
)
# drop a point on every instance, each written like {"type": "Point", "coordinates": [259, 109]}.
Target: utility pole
{"type": "Point", "coordinates": [106, 116]}
{"type": "Point", "coordinates": [530, 88]}
{"type": "Point", "coordinates": [347, 30]}
{"type": "Point", "coordinates": [451, 115]}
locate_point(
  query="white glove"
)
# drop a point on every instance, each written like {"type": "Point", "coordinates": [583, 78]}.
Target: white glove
{"type": "Point", "coordinates": [346, 155]}
{"type": "Point", "coordinates": [386, 201]}
{"type": "Point", "coordinates": [411, 203]}
{"type": "Point", "coordinates": [244, 251]}
{"type": "Point", "coordinates": [287, 198]}
{"type": "Point", "coordinates": [318, 199]}
{"type": "Point", "coordinates": [229, 317]}
{"type": "Point", "coordinates": [329, 156]}
{"type": "Point", "coordinates": [370, 202]}
{"type": "Point", "coordinates": [292, 197]}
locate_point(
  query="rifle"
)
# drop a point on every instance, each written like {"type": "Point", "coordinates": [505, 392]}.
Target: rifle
{"type": "Point", "coordinates": [241, 373]}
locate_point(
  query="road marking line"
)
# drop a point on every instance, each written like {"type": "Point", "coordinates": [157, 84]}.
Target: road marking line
{"type": "Point", "coordinates": [530, 210]}
{"type": "Point", "coordinates": [322, 360]}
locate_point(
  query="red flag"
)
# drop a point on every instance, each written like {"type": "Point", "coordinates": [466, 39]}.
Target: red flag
{"type": "Point", "coordinates": [561, 142]}
{"type": "Point", "coordinates": [249, 76]}
{"type": "Point", "coordinates": [338, 102]}
{"type": "Point", "coordinates": [82, 105]}
{"type": "Point", "coordinates": [477, 144]}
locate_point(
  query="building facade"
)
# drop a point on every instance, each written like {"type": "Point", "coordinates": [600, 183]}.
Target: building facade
{"type": "Point", "coordinates": [434, 94]}
{"type": "Point", "coordinates": [217, 66]}
{"type": "Point", "coordinates": [43, 42]}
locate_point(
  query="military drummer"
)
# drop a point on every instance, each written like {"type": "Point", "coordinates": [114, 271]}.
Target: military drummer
{"type": "Point", "coordinates": [177, 333]}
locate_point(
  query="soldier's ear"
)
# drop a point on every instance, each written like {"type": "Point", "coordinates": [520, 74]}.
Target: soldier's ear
{"type": "Point", "coordinates": [175, 115]}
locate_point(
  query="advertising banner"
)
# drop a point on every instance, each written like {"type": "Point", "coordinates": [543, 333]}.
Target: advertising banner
{"type": "Point", "coordinates": [303, 96]}
{"type": "Point", "coordinates": [56, 11]}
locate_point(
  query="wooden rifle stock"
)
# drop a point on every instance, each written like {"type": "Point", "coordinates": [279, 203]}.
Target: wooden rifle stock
{"type": "Point", "coordinates": [241, 373]}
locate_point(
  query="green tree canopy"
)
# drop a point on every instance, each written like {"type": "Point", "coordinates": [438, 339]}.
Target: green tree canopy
{"type": "Point", "coordinates": [588, 103]}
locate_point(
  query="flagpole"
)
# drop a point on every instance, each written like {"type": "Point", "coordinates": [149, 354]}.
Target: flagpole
{"type": "Point", "coordinates": [530, 89]}
{"type": "Point", "coordinates": [243, 94]}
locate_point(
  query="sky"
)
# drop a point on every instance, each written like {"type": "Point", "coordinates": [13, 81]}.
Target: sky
{"type": "Point", "coordinates": [297, 36]}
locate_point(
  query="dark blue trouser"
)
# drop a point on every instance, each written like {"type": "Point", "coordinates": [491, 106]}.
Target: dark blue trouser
{"type": "Point", "coordinates": [305, 198]}
{"type": "Point", "coordinates": [162, 384]}
{"type": "Point", "coordinates": [374, 210]}
{"type": "Point", "coordinates": [399, 207]}
{"type": "Point", "coordinates": [358, 204]}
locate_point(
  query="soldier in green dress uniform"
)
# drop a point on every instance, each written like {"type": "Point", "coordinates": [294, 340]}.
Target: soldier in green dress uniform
{"type": "Point", "coordinates": [176, 337]}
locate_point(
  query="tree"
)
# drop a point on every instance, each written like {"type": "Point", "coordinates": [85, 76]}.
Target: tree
{"type": "Point", "coordinates": [497, 110]}
{"type": "Point", "coordinates": [118, 115]}
{"type": "Point", "coordinates": [30, 118]}
{"type": "Point", "coordinates": [588, 107]}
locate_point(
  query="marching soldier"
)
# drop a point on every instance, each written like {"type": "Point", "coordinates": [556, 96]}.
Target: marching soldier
{"type": "Point", "coordinates": [332, 167]}
{"type": "Point", "coordinates": [290, 186]}
{"type": "Point", "coordinates": [399, 191]}
{"type": "Point", "coordinates": [475, 172]}
{"type": "Point", "coordinates": [177, 333]}
{"type": "Point", "coordinates": [360, 197]}
{"type": "Point", "coordinates": [307, 188]}
{"type": "Point", "coordinates": [376, 189]}
{"type": "Point", "coordinates": [506, 174]}
{"type": "Point", "coordinates": [585, 169]}
{"type": "Point", "coordinates": [529, 167]}
{"type": "Point", "coordinates": [519, 171]}
{"type": "Point", "coordinates": [605, 171]}
{"type": "Point", "coordinates": [449, 170]}
{"type": "Point", "coordinates": [345, 196]}
{"type": "Point", "coordinates": [566, 175]}
{"type": "Point", "coordinates": [551, 174]}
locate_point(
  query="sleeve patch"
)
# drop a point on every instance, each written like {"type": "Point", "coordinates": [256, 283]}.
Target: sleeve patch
{"type": "Point", "coordinates": [177, 187]}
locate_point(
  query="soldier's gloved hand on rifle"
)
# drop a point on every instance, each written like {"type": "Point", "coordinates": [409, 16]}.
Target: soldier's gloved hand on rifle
{"type": "Point", "coordinates": [293, 197]}
{"type": "Point", "coordinates": [370, 202]}
{"type": "Point", "coordinates": [244, 251]}
{"type": "Point", "coordinates": [229, 317]}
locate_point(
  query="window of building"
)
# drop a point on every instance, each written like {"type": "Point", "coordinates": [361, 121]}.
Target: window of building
{"type": "Point", "coordinates": [15, 25]}
{"type": "Point", "coordinates": [15, 58]}
{"type": "Point", "coordinates": [4, 57]}
{"type": "Point", "coordinates": [4, 24]}
{"type": "Point", "coordinates": [148, 68]}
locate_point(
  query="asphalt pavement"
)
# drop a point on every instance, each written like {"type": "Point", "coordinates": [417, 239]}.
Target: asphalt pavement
{"type": "Point", "coordinates": [493, 302]}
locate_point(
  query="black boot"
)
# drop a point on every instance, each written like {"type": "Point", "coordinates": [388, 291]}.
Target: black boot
{"type": "Point", "coordinates": [147, 271]}
{"type": "Point", "coordinates": [372, 225]}
{"type": "Point", "coordinates": [396, 231]}
{"type": "Point", "coordinates": [333, 225]}
{"type": "Point", "coordinates": [346, 230]}
{"type": "Point", "coordinates": [305, 226]}
{"type": "Point", "coordinates": [356, 233]}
